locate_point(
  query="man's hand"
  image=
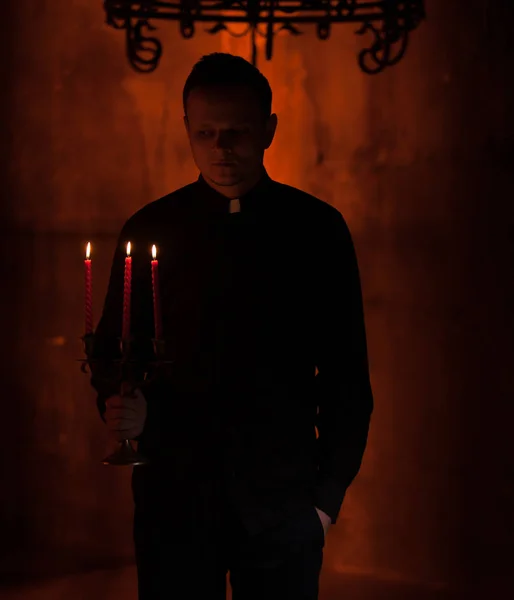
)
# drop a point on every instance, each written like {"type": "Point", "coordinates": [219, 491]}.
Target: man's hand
{"type": "Point", "coordinates": [125, 415]}
{"type": "Point", "coordinates": [326, 521]}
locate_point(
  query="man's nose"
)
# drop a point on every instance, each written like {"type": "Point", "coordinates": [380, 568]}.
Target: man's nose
{"type": "Point", "coordinates": [222, 141]}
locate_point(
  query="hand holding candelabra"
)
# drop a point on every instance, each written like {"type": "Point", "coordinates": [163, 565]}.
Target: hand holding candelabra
{"type": "Point", "coordinates": [127, 371]}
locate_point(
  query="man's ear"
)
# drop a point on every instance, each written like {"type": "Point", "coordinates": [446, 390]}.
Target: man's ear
{"type": "Point", "coordinates": [186, 123]}
{"type": "Point", "coordinates": [271, 127]}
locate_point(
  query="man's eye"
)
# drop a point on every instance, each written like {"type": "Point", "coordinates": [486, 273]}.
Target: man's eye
{"type": "Point", "coordinates": [204, 133]}
{"type": "Point", "coordinates": [233, 132]}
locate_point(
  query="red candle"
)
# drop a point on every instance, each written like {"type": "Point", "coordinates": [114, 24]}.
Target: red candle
{"type": "Point", "coordinates": [157, 315]}
{"type": "Point", "coordinates": [125, 333]}
{"type": "Point", "coordinates": [88, 290]}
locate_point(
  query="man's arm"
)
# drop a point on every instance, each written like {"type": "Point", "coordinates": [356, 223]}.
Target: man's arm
{"type": "Point", "coordinates": [344, 395]}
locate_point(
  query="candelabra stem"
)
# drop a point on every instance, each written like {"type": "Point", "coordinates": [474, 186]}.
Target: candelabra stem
{"type": "Point", "coordinates": [125, 456]}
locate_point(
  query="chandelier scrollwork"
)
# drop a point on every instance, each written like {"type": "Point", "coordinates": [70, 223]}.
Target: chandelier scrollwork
{"type": "Point", "coordinates": [388, 23]}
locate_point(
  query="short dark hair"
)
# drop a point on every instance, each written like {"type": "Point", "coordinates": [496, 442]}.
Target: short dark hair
{"type": "Point", "coordinates": [220, 68]}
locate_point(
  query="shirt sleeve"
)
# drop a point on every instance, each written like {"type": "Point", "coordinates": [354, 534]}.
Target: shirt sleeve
{"type": "Point", "coordinates": [342, 384]}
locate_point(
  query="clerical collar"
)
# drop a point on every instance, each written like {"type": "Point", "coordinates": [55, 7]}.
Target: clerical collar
{"type": "Point", "coordinates": [253, 199]}
{"type": "Point", "coordinates": [235, 206]}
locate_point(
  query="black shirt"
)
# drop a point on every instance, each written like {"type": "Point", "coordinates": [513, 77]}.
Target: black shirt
{"type": "Point", "coordinates": [253, 303]}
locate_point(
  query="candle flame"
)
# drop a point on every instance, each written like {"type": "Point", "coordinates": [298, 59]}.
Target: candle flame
{"type": "Point", "coordinates": [88, 250]}
{"type": "Point", "coordinates": [128, 248]}
{"type": "Point", "coordinates": [154, 251]}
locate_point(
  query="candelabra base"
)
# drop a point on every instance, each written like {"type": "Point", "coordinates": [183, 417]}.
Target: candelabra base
{"type": "Point", "coordinates": [125, 456]}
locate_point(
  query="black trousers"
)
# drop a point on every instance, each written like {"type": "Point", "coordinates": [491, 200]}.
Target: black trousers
{"type": "Point", "coordinates": [182, 559]}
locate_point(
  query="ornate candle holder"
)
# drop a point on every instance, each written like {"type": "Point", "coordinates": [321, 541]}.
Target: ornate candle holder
{"type": "Point", "coordinates": [127, 372]}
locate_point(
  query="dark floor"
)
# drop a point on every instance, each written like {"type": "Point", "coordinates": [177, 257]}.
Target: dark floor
{"type": "Point", "coordinates": [114, 584]}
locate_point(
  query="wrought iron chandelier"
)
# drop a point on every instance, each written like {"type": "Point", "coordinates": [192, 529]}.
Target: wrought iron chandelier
{"type": "Point", "coordinates": [389, 23]}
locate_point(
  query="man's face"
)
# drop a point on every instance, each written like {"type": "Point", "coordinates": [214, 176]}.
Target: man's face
{"type": "Point", "coordinates": [228, 134]}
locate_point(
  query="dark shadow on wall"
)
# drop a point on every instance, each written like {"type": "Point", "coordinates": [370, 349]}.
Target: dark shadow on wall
{"type": "Point", "coordinates": [71, 140]}
{"type": "Point", "coordinates": [78, 157]}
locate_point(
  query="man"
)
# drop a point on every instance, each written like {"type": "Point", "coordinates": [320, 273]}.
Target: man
{"type": "Point", "coordinates": [260, 287]}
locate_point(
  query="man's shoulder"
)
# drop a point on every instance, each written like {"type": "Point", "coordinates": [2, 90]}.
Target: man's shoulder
{"type": "Point", "coordinates": [306, 204]}
{"type": "Point", "coordinates": [165, 208]}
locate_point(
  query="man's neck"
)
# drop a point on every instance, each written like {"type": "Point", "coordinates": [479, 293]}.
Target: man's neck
{"type": "Point", "coordinates": [239, 190]}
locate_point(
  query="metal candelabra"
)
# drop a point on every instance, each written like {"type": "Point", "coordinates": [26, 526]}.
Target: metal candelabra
{"type": "Point", "coordinates": [127, 373]}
